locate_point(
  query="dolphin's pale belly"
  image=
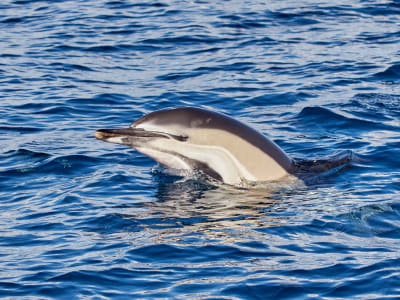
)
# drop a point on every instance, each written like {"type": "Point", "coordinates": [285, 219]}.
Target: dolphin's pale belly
{"type": "Point", "coordinates": [190, 156]}
{"type": "Point", "coordinates": [170, 160]}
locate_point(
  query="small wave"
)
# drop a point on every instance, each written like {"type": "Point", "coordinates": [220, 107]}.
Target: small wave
{"type": "Point", "coordinates": [327, 120]}
{"type": "Point", "coordinates": [184, 40]}
{"type": "Point", "coordinates": [35, 106]}
{"type": "Point", "coordinates": [24, 153]}
{"type": "Point", "coordinates": [61, 110]}
{"type": "Point", "coordinates": [375, 106]}
{"type": "Point", "coordinates": [264, 41]}
{"type": "Point", "coordinates": [292, 19]}
{"type": "Point", "coordinates": [372, 220]}
{"type": "Point", "coordinates": [109, 98]}
{"type": "Point", "coordinates": [236, 67]}
{"type": "Point", "coordinates": [206, 50]}
{"type": "Point", "coordinates": [67, 164]}
{"type": "Point", "coordinates": [385, 9]}
{"type": "Point", "coordinates": [129, 281]}
{"type": "Point", "coordinates": [176, 76]}
{"type": "Point", "coordinates": [387, 38]}
{"type": "Point", "coordinates": [390, 74]}
{"type": "Point", "coordinates": [279, 99]}
{"type": "Point", "coordinates": [26, 163]}
{"type": "Point", "coordinates": [23, 240]}
{"type": "Point", "coordinates": [140, 4]}
{"type": "Point", "coordinates": [174, 254]}
{"type": "Point", "coordinates": [9, 55]}
{"type": "Point", "coordinates": [105, 48]}
{"type": "Point", "coordinates": [123, 31]}
{"type": "Point", "coordinates": [70, 67]}
{"type": "Point", "coordinates": [109, 224]}
{"type": "Point", "coordinates": [20, 161]}
{"type": "Point", "coordinates": [12, 20]}
{"type": "Point", "coordinates": [245, 24]}
{"type": "Point", "coordinates": [63, 48]}
{"type": "Point", "coordinates": [21, 129]}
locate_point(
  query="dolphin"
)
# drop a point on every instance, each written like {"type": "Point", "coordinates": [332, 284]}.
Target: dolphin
{"type": "Point", "coordinates": [191, 138]}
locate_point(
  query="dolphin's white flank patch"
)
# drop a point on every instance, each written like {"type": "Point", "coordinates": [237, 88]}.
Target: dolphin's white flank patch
{"type": "Point", "coordinates": [164, 158]}
{"type": "Point", "coordinates": [217, 158]}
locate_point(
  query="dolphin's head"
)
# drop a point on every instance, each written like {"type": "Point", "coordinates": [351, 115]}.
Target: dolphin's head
{"type": "Point", "coordinates": [193, 138]}
{"type": "Point", "coordinates": [158, 129]}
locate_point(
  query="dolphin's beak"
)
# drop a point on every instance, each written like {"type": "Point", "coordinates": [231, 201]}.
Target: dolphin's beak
{"type": "Point", "coordinates": [104, 134]}
{"type": "Point", "coordinates": [133, 134]}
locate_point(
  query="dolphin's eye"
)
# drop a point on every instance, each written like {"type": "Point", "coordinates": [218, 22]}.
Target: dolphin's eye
{"type": "Point", "coordinates": [181, 138]}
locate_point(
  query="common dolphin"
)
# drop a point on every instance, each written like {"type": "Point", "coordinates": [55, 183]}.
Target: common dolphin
{"type": "Point", "coordinates": [197, 139]}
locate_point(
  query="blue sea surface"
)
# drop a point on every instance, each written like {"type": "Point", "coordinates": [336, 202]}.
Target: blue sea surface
{"type": "Point", "coordinates": [84, 219]}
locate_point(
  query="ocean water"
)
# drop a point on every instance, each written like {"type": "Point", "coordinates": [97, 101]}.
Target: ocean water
{"type": "Point", "coordinates": [84, 219]}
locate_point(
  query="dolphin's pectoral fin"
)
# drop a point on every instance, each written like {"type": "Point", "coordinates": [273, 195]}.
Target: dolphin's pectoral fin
{"type": "Point", "coordinates": [175, 160]}
{"type": "Point", "coordinates": [203, 167]}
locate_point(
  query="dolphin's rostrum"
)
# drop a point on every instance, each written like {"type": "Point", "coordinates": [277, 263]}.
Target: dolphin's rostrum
{"type": "Point", "coordinates": [193, 138]}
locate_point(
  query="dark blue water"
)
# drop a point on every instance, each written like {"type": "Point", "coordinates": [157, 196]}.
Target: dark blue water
{"type": "Point", "coordinates": [80, 218]}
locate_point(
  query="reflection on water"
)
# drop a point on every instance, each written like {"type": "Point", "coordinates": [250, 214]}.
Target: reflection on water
{"type": "Point", "coordinates": [188, 208]}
